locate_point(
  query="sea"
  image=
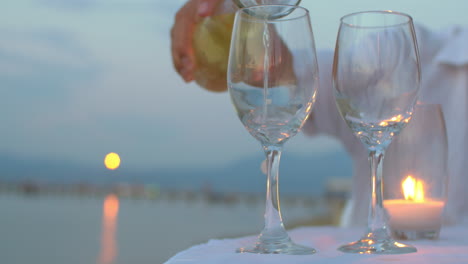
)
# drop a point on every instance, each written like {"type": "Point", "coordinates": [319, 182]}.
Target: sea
{"type": "Point", "coordinates": [107, 229]}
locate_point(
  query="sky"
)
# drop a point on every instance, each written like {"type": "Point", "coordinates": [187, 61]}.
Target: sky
{"type": "Point", "coordinates": [81, 78]}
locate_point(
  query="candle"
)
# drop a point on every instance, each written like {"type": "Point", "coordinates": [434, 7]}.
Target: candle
{"type": "Point", "coordinates": [415, 212]}
{"type": "Point", "coordinates": [416, 216]}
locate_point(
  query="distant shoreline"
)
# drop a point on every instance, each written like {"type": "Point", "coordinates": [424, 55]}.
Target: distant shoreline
{"type": "Point", "coordinates": [328, 206]}
{"type": "Point", "coordinates": [147, 192]}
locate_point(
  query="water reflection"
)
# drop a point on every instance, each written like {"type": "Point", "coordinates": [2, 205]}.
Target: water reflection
{"type": "Point", "coordinates": [110, 213]}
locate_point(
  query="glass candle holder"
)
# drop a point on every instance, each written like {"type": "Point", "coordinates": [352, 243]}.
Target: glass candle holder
{"type": "Point", "coordinates": [415, 188]}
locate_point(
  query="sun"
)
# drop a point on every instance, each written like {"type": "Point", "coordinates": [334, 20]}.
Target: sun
{"type": "Point", "coordinates": [112, 161]}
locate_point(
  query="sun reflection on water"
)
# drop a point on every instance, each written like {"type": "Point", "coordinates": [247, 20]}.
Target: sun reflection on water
{"type": "Point", "coordinates": [110, 212]}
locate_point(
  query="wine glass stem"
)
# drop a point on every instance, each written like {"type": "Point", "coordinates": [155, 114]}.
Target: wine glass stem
{"type": "Point", "coordinates": [376, 220]}
{"type": "Point", "coordinates": [274, 228]}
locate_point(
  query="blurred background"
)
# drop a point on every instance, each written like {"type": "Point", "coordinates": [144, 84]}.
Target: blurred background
{"type": "Point", "coordinates": [82, 78]}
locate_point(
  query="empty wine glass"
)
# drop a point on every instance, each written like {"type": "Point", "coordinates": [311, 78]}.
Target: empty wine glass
{"type": "Point", "coordinates": [272, 81]}
{"type": "Point", "coordinates": [376, 76]}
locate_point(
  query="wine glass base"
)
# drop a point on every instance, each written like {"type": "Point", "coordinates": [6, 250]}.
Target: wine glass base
{"type": "Point", "coordinates": [374, 246]}
{"type": "Point", "coordinates": [287, 248]}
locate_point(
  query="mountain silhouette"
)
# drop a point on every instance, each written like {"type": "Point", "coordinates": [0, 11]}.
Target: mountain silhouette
{"type": "Point", "coordinates": [298, 174]}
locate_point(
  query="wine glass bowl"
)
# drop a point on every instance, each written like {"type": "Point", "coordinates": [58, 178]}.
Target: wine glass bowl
{"type": "Point", "coordinates": [272, 81]}
{"type": "Point", "coordinates": [376, 76]}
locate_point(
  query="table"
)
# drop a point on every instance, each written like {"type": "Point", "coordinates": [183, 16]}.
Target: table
{"type": "Point", "coordinates": [452, 247]}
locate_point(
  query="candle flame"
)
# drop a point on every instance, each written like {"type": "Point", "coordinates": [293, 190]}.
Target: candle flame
{"type": "Point", "coordinates": [413, 189]}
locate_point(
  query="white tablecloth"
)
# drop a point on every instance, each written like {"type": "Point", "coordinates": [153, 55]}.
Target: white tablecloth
{"type": "Point", "coordinates": [452, 247]}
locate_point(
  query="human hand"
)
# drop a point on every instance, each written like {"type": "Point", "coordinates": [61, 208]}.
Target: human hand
{"type": "Point", "coordinates": [182, 30]}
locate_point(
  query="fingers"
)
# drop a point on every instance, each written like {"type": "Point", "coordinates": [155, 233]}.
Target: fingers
{"type": "Point", "coordinates": [181, 40]}
{"type": "Point", "coordinates": [182, 34]}
{"type": "Point", "coordinates": [181, 58]}
{"type": "Point", "coordinates": [182, 52]}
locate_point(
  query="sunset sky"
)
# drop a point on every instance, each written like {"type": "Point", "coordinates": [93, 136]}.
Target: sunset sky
{"type": "Point", "coordinates": [82, 78]}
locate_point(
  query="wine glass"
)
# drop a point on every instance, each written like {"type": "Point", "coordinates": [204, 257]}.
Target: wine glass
{"type": "Point", "coordinates": [272, 81]}
{"type": "Point", "coordinates": [376, 77]}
